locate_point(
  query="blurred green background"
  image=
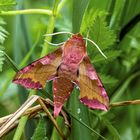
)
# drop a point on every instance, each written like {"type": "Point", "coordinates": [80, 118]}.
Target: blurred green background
{"type": "Point", "coordinates": [113, 24]}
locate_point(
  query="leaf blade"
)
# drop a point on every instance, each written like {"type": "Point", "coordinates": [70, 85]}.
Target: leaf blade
{"type": "Point", "coordinates": [40, 132]}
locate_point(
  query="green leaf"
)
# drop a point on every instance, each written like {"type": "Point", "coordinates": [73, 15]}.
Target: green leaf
{"type": "Point", "coordinates": [95, 28]}
{"type": "Point", "coordinates": [111, 55]}
{"type": "Point", "coordinates": [124, 87]}
{"type": "Point", "coordinates": [3, 32]}
{"type": "Point", "coordinates": [106, 79]}
{"type": "Point", "coordinates": [1, 60]}
{"type": "Point", "coordinates": [55, 134]}
{"type": "Point", "coordinates": [81, 111]}
{"type": "Point", "coordinates": [40, 132]}
{"type": "Point", "coordinates": [7, 5]}
{"type": "Point", "coordinates": [101, 33]}
{"type": "Point", "coordinates": [79, 7]}
{"type": "Point", "coordinates": [3, 35]}
{"type": "Point", "coordinates": [112, 129]}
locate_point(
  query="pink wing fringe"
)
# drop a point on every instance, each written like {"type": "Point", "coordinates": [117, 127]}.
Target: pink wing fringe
{"type": "Point", "coordinates": [28, 83]}
{"type": "Point", "coordinates": [94, 104]}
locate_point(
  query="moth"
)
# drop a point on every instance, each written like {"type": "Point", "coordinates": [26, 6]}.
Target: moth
{"type": "Point", "coordinates": [67, 66]}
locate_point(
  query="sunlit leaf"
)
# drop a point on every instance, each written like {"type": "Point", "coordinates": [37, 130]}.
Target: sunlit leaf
{"type": "Point", "coordinates": [3, 35]}
{"type": "Point", "coordinates": [7, 4]}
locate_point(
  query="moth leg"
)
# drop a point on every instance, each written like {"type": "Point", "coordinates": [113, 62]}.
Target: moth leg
{"type": "Point", "coordinates": [65, 116]}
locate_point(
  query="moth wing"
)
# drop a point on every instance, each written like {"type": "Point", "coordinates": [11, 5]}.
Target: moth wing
{"type": "Point", "coordinates": [92, 92]}
{"type": "Point", "coordinates": [37, 73]}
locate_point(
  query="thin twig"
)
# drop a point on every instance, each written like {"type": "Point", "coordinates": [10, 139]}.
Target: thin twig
{"type": "Point", "coordinates": [33, 115]}
{"type": "Point", "coordinates": [64, 114]}
{"type": "Point", "coordinates": [17, 114]}
{"type": "Point", "coordinates": [124, 103]}
{"type": "Point", "coordinates": [29, 111]}
{"type": "Point", "coordinates": [34, 110]}
{"type": "Point", "coordinates": [10, 128]}
{"type": "Point", "coordinates": [51, 118]}
{"type": "Point", "coordinates": [23, 120]}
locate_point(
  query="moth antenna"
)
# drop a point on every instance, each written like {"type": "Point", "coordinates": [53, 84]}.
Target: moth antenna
{"type": "Point", "coordinates": [96, 47]}
{"type": "Point", "coordinates": [54, 43]}
{"type": "Point", "coordinates": [87, 37]}
{"type": "Point", "coordinates": [57, 33]}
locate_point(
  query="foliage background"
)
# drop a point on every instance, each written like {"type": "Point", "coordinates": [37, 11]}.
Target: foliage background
{"type": "Point", "coordinates": [113, 24]}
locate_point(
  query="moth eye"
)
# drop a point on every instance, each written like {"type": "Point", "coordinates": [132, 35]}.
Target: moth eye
{"type": "Point", "coordinates": [58, 68]}
{"type": "Point", "coordinates": [77, 73]}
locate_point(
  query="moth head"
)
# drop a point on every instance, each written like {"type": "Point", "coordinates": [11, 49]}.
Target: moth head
{"type": "Point", "coordinates": [77, 40]}
{"type": "Point", "coordinates": [77, 36]}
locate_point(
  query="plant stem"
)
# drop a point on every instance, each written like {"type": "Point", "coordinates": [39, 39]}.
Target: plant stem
{"type": "Point", "coordinates": [26, 11]}
{"type": "Point", "coordinates": [48, 38]}
{"type": "Point", "coordinates": [20, 128]}
{"type": "Point", "coordinates": [30, 111]}
{"type": "Point", "coordinates": [56, 9]}
{"type": "Point", "coordinates": [124, 103]}
{"type": "Point", "coordinates": [22, 121]}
